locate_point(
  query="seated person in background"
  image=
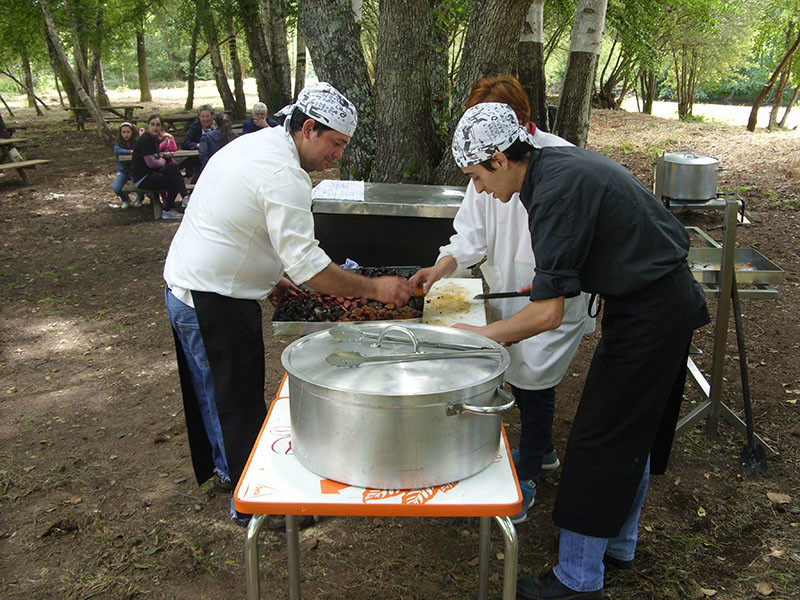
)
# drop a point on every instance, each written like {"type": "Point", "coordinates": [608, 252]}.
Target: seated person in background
{"type": "Point", "coordinates": [204, 124]}
{"type": "Point", "coordinates": [215, 139]}
{"type": "Point", "coordinates": [259, 120]}
{"type": "Point", "coordinates": [168, 145]}
{"type": "Point", "coordinates": [126, 139]}
{"type": "Point", "coordinates": [150, 170]}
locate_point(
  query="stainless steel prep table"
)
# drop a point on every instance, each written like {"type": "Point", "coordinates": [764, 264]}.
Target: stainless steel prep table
{"type": "Point", "coordinates": [394, 224]}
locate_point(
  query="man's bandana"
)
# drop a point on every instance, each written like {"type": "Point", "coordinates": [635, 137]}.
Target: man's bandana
{"type": "Point", "coordinates": [484, 129]}
{"type": "Point", "coordinates": [324, 103]}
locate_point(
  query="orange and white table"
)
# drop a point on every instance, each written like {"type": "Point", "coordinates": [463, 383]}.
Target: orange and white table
{"type": "Point", "coordinates": [274, 482]}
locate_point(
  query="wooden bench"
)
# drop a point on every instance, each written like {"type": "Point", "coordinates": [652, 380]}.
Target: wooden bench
{"type": "Point", "coordinates": [21, 165]}
{"type": "Point", "coordinates": [153, 195]}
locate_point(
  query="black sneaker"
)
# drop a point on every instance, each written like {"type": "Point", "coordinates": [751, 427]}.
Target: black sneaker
{"type": "Point", "coordinates": [617, 563]}
{"type": "Point", "coordinates": [546, 586]}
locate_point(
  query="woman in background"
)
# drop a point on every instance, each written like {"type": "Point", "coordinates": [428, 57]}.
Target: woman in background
{"type": "Point", "coordinates": [221, 134]}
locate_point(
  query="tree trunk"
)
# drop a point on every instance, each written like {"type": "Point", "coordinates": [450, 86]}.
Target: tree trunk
{"type": "Point", "coordinates": [141, 61]}
{"type": "Point", "coordinates": [530, 71]}
{"type": "Point", "coordinates": [96, 70]}
{"type": "Point", "coordinates": [60, 74]}
{"type": "Point", "coordinates": [279, 51]}
{"type": "Point", "coordinates": [572, 121]}
{"type": "Point", "coordinates": [192, 64]}
{"type": "Point", "coordinates": [751, 122]}
{"type": "Point", "coordinates": [27, 89]}
{"type": "Point", "coordinates": [210, 28]}
{"type": "Point", "coordinates": [251, 16]}
{"type": "Point", "coordinates": [100, 85]}
{"type": "Point", "coordinates": [783, 81]}
{"type": "Point", "coordinates": [102, 127]}
{"type": "Point", "coordinates": [789, 106]}
{"type": "Point", "coordinates": [28, 79]}
{"type": "Point", "coordinates": [440, 68]}
{"type": "Point", "coordinates": [8, 108]}
{"type": "Point", "coordinates": [647, 88]}
{"type": "Point", "coordinates": [403, 122]}
{"type": "Point", "coordinates": [300, 66]}
{"type": "Point", "coordinates": [78, 30]}
{"type": "Point", "coordinates": [332, 38]}
{"type": "Point", "coordinates": [240, 103]}
{"type": "Point", "coordinates": [490, 49]}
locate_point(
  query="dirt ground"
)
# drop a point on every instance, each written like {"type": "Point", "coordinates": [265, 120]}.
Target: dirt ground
{"type": "Point", "coordinates": [97, 494]}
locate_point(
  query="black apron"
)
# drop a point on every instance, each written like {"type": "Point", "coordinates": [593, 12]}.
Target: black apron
{"type": "Point", "coordinates": [231, 331]}
{"type": "Point", "coordinates": [630, 403]}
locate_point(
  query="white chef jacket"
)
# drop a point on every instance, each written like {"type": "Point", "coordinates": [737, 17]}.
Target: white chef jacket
{"type": "Point", "coordinates": [485, 227]}
{"type": "Point", "coordinates": [249, 220]}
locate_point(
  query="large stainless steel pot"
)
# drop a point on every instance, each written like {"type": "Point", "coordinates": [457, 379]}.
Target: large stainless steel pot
{"type": "Point", "coordinates": [400, 425]}
{"type": "Point", "coordinates": [686, 176]}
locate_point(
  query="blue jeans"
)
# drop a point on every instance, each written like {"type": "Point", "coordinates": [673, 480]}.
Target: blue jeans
{"type": "Point", "coordinates": [580, 557]}
{"type": "Point", "coordinates": [119, 182]}
{"type": "Point", "coordinates": [184, 321]}
{"type": "Point", "coordinates": [536, 409]}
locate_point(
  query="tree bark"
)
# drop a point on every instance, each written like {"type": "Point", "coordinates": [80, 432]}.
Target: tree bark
{"type": "Point", "coordinates": [572, 120]}
{"type": "Point", "coordinates": [783, 81]}
{"type": "Point", "coordinates": [751, 122]}
{"type": "Point", "coordinates": [279, 51]}
{"type": "Point", "coordinates": [490, 49]}
{"type": "Point", "coordinates": [782, 122]}
{"type": "Point", "coordinates": [251, 16]}
{"type": "Point", "coordinates": [647, 89]}
{"type": "Point", "coordinates": [332, 37]}
{"type": "Point", "coordinates": [440, 68]}
{"type": "Point", "coordinates": [141, 61]}
{"type": "Point", "coordinates": [403, 122]}
{"type": "Point", "coordinates": [530, 71]}
{"type": "Point", "coordinates": [210, 28]}
{"type": "Point", "coordinates": [28, 79]}
{"type": "Point", "coordinates": [192, 64]}
{"type": "Point", "coordinates": [300, 66]}
{"type": "Point", "coordinates": [239, 102]}
{"type": "Point", "coordinates": [60, 73]}
{"type": "Point", "coordinates": [78, 30]}
{"type": "Point", "coordinates": [102, 127]}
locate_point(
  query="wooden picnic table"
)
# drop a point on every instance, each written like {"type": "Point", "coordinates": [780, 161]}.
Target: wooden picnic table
{"type": "Point", "coordinates": [123, 111]}
{"type": "Point", "coordinates": [170, 121]}
{"type": "Point", "coordinates": [176, 154]}
{"type": "Point", "coordinates": [11, 160]}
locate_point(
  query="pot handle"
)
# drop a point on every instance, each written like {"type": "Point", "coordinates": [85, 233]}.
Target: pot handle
{"type": "Point", "coordinates": [457, 409]}
{"type": "Point", "coordinates": [401, 329]}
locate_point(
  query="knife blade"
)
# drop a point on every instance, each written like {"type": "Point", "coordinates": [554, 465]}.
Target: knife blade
{"type": "Point", "coordinates": [501, 295]}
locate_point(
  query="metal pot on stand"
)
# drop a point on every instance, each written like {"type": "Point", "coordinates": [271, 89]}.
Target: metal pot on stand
{"type": "Point", "coordinates": [686, 176]}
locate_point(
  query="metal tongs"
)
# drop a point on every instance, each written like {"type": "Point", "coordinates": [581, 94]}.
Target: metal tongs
{"type": "Point", "coordinates": [348, 333]}
{"type": "Point", "coordinates": [343, 333]}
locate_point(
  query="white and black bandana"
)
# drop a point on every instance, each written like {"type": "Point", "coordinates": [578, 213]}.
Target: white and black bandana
{"type": "Point", "coordinates": [324, 103]}
{"type": "Point", "coordinates": [484, 129]}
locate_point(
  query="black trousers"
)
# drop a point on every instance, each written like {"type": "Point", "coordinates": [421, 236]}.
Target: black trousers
{"type": "Point", "coordinates": [169, 178]}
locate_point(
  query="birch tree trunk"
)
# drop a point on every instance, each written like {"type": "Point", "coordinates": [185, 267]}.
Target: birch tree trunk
{"type": "Point", "coordinates": [239, 103]}
{"type": "Point", "coordinates": [332, 38]}
{"type": "Point", "coordinates": [60, 74]}
{"type": "Point", "coordinates": [102, 127]}
{"type": "Point", "coordinates": [531, 64]}
{"type": "Point", "coordinates": [300, 66]}
{"type": "Point", "coordinates": [27, 76]}
{"type": "Point", "coordinates": [192, 64]}
{"type": "Point", "coordinates": [251, 14]}
{"type": "Point", "coordinates": [572, 121]}
{"type": "Point", "coordinates": [490, 49]}
{"type": "Point", "coordinates": [751, 122]}
{"type": "Point", "coordinates": [210, 28]}
{"type": "Point", "coordinates": [403, 121]}
{"type": "Point", "coordinates": [279, 52]}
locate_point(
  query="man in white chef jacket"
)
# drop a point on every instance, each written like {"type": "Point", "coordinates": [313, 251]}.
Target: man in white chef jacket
{"type": "Point", "coordinates": [250, 221]}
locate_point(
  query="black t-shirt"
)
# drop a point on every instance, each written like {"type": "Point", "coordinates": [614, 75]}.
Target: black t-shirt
{"type": "Point", "coordinates": [595, 227]}
{"type": "Point", "coordinates": [146, 144]}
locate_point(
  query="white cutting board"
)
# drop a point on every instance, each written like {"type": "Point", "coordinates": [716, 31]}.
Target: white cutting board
{"type": "Point", "coordinates": [451, 301]}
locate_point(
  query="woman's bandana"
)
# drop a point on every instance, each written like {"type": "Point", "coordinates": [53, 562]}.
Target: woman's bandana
{"type": "Point", "coordinates": [484, 129]}
{"type": "Point", "coordinates": [324, 103]}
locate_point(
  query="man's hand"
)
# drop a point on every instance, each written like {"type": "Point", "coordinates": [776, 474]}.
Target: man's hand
{"type": "Point", "coordinates": [425, 278]}
{"type": "Point", "coordinates": [280, 289]}
{"type": "Point", "coordinates": [391, 290]}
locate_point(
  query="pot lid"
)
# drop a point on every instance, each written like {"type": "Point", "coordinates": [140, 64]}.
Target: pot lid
{"type": "Point", "coordinates": [690, 158]}
{"type": "Point", "coordinates": [307, 359]}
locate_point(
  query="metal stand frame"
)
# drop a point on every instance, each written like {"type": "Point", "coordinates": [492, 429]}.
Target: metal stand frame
{"type": "Point", "coordinates": [713, 407]}
{"type": "Point", "coordinates": [293, 557]}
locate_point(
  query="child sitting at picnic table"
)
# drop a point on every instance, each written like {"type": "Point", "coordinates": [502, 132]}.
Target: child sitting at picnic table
{"type": "Point", "coordinates": [126, 139]}
{"type": "Point", "coordinates": [221, 134]}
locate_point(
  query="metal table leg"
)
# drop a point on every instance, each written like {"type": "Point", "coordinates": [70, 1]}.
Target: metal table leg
{"type": "Point", "coordinates": [293, 556]}
{"type": "Point", "coordinates": [511, 555]}
{"type": "Point", "coordinates": [483, 557]}
{"type": "Point", "coordinates": [251, 558]}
